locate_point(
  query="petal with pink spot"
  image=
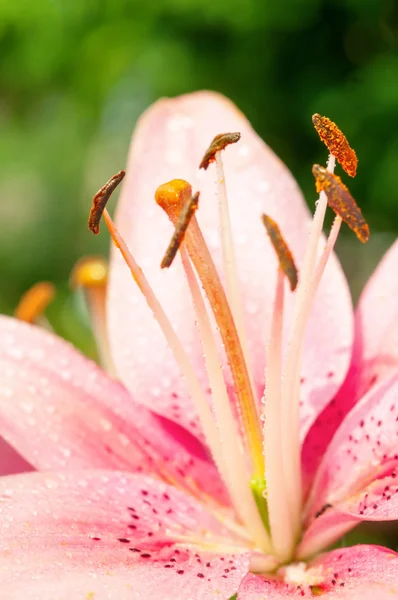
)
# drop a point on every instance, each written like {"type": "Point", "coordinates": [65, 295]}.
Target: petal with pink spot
{"type": "Point", "coordinates": [169, 143]}
{"type": "Point", "coordinates": [365, 572]}
{"type": "Point", "coordinates": [60, 410]}
{"type": "Point", "coordinates": [375, 354]}
{"type": "Point", "coordinates": [104, 535]}
{"type": "Point", "coordinates": [359, 472]}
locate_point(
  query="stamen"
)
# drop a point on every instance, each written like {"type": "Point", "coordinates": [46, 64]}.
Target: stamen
{"type": "Point", "coordinates": [336, 143]}
{"type": "Point", "coordinates": [341, 201]}
{"type": "Point", "coordinates": [180, 229]}
{"type": "Point", "coordinates": [172, 197]}
{"type": "Point", "coordinates": [220, 142]}
{"type": "Point", "coordinates": [282, 532]}
{"type": "Point", "coordinates": [100, 200]}
{"type": "Point", "coordinates": [35, 301]}
{"type": "Point", "coordinates": [213, 153]}
{"type": "Point", "coordinates": [285, 257]}
{"type": "Point", "coordinates": [290, 413]}
{"type": "Point", "coordinates": [193, 384]}
{"type": "Point", "coordinates": [90, 274]}
{"type": "Point", "coordinates": [236, 474]}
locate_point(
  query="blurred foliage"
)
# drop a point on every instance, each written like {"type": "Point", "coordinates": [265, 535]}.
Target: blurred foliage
{"type": "Point", "coordinates": [75, 75]}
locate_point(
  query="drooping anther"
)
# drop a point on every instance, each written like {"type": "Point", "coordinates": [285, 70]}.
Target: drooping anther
{"type": "Point", "coordinates": [285, 257]}
{"type": "Point", "coordinates": [220, 142]}
{"type": "Point", "coordinates": [336, 143]}
{"type": "Point", "coordinates": [176, 196]}
{"type": "Point", "coordinates": [35, 301]}
{"type": "Point", "coordinates": [341, 201]}
{"type": "Point", "coordinates": [100, 200]}
{"type": "Point", "coordinates": [89, 272]}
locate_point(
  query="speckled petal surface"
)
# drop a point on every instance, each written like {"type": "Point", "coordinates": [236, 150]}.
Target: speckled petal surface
{"type": "Point", "coordinates": [169, 143]}
{"type": "Point", "coordinates": [107, 535]}
{"type": "Point", "coordinates": [365, 572]}
{"type": "Point", "coordinates": [60, 410]}
{"type": "Point", "coordinates": [375, 355]}
{"type": "Point", "coordinates": [359, 472]}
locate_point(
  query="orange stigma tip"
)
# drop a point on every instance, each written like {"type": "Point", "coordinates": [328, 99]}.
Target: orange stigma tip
{"type": "Point", "coordinates": [186, 215]}
{"type": "Point", "coordinates": [90, 272]}
{"type": "Point", "coordinates": [341, 201]}
{"type": "Point", "coordinates": [173, 195]}
{"type": "Point", "coordinates": [220, 142]}
{"type": "Point", "coordinates": [100, 200]}
{"type": "Point", "coordinates": [336, 143]}
{"type": "Point", "coordinates": [35, 301]}
{"type": "Point", "coordinates": [285, 257]}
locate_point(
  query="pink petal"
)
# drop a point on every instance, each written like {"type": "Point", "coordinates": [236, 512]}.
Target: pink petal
{"type": "Point", "coordinates": [60, 410]}
{"type": "Point", "coordinates": [102, 535]}
{"type": "Point", "coordinates": [359, 472]}
{"type": "Point", "coordinates": [169, 143]}
{"type": "Point", "coordinates": [375, 355]}
{"type": "Point", "coordinates": [361, 572]}
{"type": "Point", "coordinates": [10, 461]}
{"type": "Point", "coordinates": [377, 325]}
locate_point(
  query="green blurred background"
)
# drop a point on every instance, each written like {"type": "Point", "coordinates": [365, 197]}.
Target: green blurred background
{"type": "Point", "coordinates": [76, 74]}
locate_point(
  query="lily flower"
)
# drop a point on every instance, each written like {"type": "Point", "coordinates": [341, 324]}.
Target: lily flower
{"type": "Point", "coordinates": [247, 425]}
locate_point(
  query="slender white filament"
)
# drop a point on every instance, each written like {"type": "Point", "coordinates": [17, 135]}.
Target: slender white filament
{"type": "Point", "coordinates": [236, 473]}
{"type": "Point", "coordinates": [229, 260]}
{"type": "Point", "coordinates": [282, 534]}
{"type": "Point", "coordinates": [203, 410]}
{"type": "Point", "coordinates": [291, 380]}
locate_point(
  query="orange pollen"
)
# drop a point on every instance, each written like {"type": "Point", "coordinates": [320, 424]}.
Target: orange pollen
{"type": "Point", "coordinates": [336, 143]}
{"type": "Point", "coordinates": [35, 301]}
{"type": "Point", "coordinates": [341, 201]}
{"type": "Point", "coordinates": [220, 142]}
{"type": "Point", "coordinates": [285, 257]}
{"type": "Point", "coordinates": [89, 272]}
{"type": "Point", "coordinates": [100, 200]}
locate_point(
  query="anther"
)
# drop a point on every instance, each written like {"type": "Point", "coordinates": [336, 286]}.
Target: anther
{"type": "Point", "coordinates": [337, 143]}
{"type": "Point", "coordinates": [220, 142]}
{"type": "Point", "coordinates": [100, 200]}
{"type": "Point", "coordinates": [285, 257]}
{"type": "Point", "coordinates": [341, 201]}
{"type": "Point", "coordinates": [89, 272]}
{"type": "Point", "coordinates": [178, 236]}
{"type": "Point", "coordinates": [34, 302]}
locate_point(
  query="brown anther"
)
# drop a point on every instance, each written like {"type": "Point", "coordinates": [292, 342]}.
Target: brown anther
{"type": "Point", "coordinates": [35, 301]}
{"type": "Point", "coordinates": [100, 200]}
{"type": "Point", "coordinates": [187, 212]}
{"type": "Point", "coordinates": [341, 201]}
{"type": "Point", "coordinates": [285, 257]}
{"type": "Point", "coordinates": [89, 272]}
{"type": "Point", "coordinates": [336, 143]}
{"type": "Point", "coordinates": [220, 142]}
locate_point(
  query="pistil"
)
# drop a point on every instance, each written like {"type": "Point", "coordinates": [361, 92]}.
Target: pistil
{"type": "Point", "coordinates": [172, 197]}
